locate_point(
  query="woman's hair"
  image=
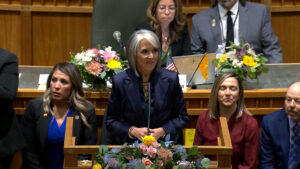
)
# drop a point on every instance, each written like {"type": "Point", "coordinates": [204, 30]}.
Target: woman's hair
{"type": "Point", "coordinates": [213, 104]}
{"type": "Point", "coordinates": [134, 43]}
{"type": "Point", "coordinates": [76, 100]}
{"type": "Point", "coordinates": [176, 26]}
{"type": "Point", "coordinates": [215, 2]}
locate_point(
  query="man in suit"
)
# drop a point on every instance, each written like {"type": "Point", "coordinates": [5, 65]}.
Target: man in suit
{"type": "Point", "coordinates": [249, 20]}
{"type": "Point", "coordinates": [11, 139]}
{"type": "Point", "coordinates": [280, 135]}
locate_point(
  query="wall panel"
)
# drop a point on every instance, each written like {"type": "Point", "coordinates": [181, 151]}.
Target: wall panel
{"type": "Point", "coordinates": [10, 31]}
{"type": "Point", "coordinates": [286, 25]}
{"type": "Point", "coordinates": [56, 35]}
{"type": "Point", "coordinates": [43, 32]}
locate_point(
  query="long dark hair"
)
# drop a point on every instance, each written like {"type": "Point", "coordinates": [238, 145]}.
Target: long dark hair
{"type": "Point", "coordinates": [176, 26]}
{"type": "Point", "coordinates": [76, 100]}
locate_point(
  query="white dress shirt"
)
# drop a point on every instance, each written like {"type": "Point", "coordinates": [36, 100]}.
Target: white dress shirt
{"type": "Point", "coordinates": [235, 20]}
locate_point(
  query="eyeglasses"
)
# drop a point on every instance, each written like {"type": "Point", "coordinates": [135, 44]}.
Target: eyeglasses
{"type": "Point", "coordinates": [163, 8]}
{"type": "Point", "coordinates": [289, 100]}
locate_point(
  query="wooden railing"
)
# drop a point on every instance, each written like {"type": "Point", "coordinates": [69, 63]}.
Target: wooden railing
{"type": "Point", "coordinates": [223, 150]}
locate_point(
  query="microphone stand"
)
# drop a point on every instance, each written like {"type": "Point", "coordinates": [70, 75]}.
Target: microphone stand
{"type": "Point", "coordinates": [149, 107]}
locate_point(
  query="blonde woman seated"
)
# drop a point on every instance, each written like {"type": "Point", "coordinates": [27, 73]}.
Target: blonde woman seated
{"type": "Point", "coordinates": [44, 120]}
{"type": "Point", "coordinates": [227, 100]}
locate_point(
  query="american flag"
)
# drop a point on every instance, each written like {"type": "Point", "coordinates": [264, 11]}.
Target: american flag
{"type": "Point", "coordinates": [171, 67]}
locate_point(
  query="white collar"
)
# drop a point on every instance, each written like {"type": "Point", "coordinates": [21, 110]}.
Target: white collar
{"type": "Point", "coordinates": [223, 11]}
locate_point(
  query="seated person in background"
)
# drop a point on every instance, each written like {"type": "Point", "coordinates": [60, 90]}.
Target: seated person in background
{"type": "Point", "coordinates": [167, 21]}
{"type": "Point", "coordinates": [11, 139]}
{"type": "Point", "coordinates": [227, 100]}
{"type": "Point", "coordinates": [44, 120]}
{"type": "Point", "coordinates": [249, 20]}
{"type": "Point", "coordinates": [127, 110]}
{"type": "Point", "coordinates": [280, 134]}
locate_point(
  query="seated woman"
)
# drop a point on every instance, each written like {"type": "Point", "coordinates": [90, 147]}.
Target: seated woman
{"type": "Point", "coordinates": [227, 100]}
{"type": "Point", "coordinates": [44, 120]}
{"type": "Point", "coordinates": [167, 21]}
{"type": "Point", "coordinates": [144, 82]}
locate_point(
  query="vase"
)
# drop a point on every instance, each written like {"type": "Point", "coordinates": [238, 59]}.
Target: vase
{"type": "Point", "coordinates": [97, 85]}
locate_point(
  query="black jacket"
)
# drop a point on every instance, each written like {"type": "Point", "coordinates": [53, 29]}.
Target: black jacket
{"type": "Point", "coordinates": [179, 48]}
{"type": "Point", "coordinates": [35, 125]}
{"type": "Point", "coordinates": [11, 139]}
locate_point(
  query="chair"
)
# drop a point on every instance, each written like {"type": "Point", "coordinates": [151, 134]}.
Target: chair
{"type": "Point", "coordinates": [111, 15]}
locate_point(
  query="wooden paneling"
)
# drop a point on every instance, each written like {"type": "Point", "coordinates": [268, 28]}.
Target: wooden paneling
{"type": "Point", "coordinates": [57, 34]}
{"type": "Point", "coordinates": [10, 31]}
{"type": "Point", "coordinates": [286, 26]}
{"type": "Point", "coordinates": [43, 32]}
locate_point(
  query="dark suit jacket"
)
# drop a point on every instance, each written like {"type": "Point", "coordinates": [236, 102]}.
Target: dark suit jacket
{"type": "Point", "coordinates": [125, 104]}
{"type": "Point", "coordinates": [35, 129]}
{"type": "Point", "coordinates": [11, 139]}
{"type": "Point", "coordinates": [275, 140]}
{"type": "Point", "coordinates": [254, 27]}
{"type": "Point", "coordinates": [179, 48]}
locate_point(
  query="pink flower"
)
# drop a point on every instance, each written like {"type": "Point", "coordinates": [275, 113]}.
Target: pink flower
{"type": "Point", "coordinates": [146, 161]}
{"type": "Point", "coordinates": [143, 148]}
{"type": "Point", "coordinates": [151, 152]}
{"type": "Point", "coordinates": [94, 68]}
{"type": "Point", "coordinates": [94, 50]}
{"type": "Point", "coordinates": [108, 54]}
{"type": "Point", "coordinates": [155, 144]}
{"type": "Point", "coordinates": [160, 163]}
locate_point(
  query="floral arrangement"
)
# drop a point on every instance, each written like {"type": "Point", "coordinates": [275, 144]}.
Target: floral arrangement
{"type": "Point", "coordinates": [243, 60]}
{"type": "Point", "coordinates": [149, 155]}
{"type": "Point", "coordinates": [98, 65]}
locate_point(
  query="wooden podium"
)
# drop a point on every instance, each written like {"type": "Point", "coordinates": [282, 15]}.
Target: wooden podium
{"type": "Point", "coordinates": [223, 150]}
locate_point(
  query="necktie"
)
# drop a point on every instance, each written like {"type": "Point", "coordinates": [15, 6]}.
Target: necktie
{"type": "Point", "coordinates": [294, 147]}
{"type": "Point", "coordinates": [229, 34]}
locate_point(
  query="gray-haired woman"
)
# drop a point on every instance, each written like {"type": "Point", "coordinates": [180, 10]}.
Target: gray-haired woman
{"type": "Point", "coordinates": [127, 111]}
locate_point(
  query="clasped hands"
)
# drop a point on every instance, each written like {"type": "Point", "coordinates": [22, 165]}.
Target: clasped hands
{"type": "Point", "coordinates": [143, 131]}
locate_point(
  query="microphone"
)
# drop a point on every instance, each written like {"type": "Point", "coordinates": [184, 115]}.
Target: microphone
{"type": "Point", "coordinates": [117, 37]}
{"type": "Point", "coordinates": [149, 107]}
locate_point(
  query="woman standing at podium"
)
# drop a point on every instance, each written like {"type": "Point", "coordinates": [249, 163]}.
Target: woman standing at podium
{"type": "Point", "coordinates": [44, 120]}
{"type": "Point", "coordinates": [165, 18]}
{"type": "Point", "coordinates": [227, 100]}
{"type": "Point", "coordinates": [132, 90]}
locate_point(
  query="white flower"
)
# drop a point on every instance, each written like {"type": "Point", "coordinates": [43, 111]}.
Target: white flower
{"type": "Point", "coordinates": [91, 53]}
{"type": "Point", "coordinates": [87, 58]}
{"type": "Point", "coordinates": [251, 51]}
{"type": "Point", "coordinates": [231, 55]}
{"type": "Point", "coordinates": [79, 57]}
{"type": "Point", "coordinates": [237, 63]}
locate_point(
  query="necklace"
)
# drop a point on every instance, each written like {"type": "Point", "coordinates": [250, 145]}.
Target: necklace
{"type": "Point", "coordinates": [165, 38]}
{"type": "Point", "coordinates": [145, 90]}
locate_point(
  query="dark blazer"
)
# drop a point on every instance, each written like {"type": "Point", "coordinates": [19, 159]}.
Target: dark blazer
{"type": "Point", "coordinates": [254, 27]}
{"type": "Point", "coordinates": [11, 139]}
{"type": "Point", "coordinates": [275, 140]}
{"type": "Point", "coordinates": [179, 48]}
{"type": "Point", "coordinates": [35, 125]}
{"type": "Point", "coordinates": [125, 109]}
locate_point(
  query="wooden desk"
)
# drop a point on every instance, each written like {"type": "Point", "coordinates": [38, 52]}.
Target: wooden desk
{"type": "Point", "coordinates": [258, 101]}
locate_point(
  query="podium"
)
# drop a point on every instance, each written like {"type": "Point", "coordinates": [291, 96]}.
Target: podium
{"type": "Point", "coordinates": [223, 150]}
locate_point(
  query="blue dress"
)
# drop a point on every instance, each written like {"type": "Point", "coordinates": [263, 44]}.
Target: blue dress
{"type": "Point", "coordinates": [55, 143]}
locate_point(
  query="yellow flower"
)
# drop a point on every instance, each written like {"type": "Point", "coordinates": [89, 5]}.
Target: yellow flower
{"type": "Point", "coordinates": [249, 61]}
{"type": "Point", "coordinates": [112, 64]}
{"type": "Point", "coordinates": [223, 58]}
{"type": "Point", "coordinates": [148, 140]}
{"type": "Point", "coordinates": [97, 166]}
